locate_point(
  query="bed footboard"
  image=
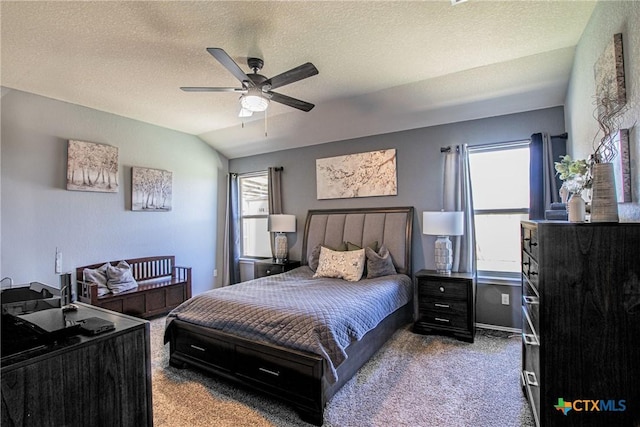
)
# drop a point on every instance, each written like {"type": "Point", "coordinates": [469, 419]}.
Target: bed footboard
{"type": "Point", "coordinates": [293, 376]}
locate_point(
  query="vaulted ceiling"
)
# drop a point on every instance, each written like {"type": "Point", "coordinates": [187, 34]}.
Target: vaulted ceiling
{"type": "Point", "coordinates": [383, 66]}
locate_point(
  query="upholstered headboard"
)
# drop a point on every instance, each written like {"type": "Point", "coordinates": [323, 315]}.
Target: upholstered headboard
{"type": "Point", "coordinates": [361, 226]}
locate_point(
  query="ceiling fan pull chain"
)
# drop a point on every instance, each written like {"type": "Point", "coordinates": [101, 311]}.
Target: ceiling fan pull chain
{"type": "Point", "coordinates": [265, 123]}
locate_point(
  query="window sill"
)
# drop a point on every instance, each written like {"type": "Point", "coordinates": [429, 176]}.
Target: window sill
{"type": "Point", "coordinates": [498, 278]}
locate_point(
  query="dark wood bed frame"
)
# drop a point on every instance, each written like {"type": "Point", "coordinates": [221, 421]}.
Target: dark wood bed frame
{"type": "Point", "coordinates": [290, 375]}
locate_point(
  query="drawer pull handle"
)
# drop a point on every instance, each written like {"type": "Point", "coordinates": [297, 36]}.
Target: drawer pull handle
{"type": "Point", "coordinates": [440, 319]}
{"type": "Point", "coordinates": [530, 300]}
{"type": "Point", "coordinates": [268, 272]}
{"type": "Point", "coordinates": [442, 289]}
{"type": "Point", "coordinates": [441, 305]}
{"type": "Point", "coordinates": [197, 348]}
{"type": "Point", "coordinates": [531, 378]}
{"type": "Point", "coordinates": [269, 371]}
{"type": "Point", "coordinates": [530, 339]}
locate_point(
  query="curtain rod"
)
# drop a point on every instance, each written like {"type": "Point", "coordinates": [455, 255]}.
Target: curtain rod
{"type": "Point", "coordinates": [277, 168]}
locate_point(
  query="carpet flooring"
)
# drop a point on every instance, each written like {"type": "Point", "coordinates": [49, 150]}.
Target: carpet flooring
{"type": "Point", "coordinates": [414, 380]}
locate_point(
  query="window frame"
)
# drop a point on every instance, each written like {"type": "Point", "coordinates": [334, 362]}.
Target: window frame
{"type": "Point", "coordinates": [506, 277]}
{"type": "Point", "coordinates": [242, 217]}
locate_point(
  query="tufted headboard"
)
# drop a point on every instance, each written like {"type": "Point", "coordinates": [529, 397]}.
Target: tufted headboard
{"type": "Point", "coordinates": [361, 226]}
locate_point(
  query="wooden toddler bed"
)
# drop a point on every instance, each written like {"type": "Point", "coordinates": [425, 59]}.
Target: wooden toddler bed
{"type": "Point", "coordinates": [271, 354]}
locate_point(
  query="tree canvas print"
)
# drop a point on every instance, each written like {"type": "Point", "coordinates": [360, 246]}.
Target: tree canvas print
{"type": "Point", "coordinates": [357, 175]}
{"type": "Point", "coordinates": [92, 167]}
{"type": "Point", "coordinates": [151, 189]}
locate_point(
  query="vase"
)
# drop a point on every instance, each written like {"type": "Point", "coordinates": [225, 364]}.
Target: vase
{"type": "Point", "coordinates": [576, 208]}
{"type": "Point", "coordinates": [604, 203]}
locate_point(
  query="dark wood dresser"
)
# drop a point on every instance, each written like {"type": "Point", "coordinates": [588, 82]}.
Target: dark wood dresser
{"type": "Point", "coordinates": [82, 380]}
{"type": "Point", "coordinates": [581, 323]}
{"type": "Point", "coordinates": [446, 304]}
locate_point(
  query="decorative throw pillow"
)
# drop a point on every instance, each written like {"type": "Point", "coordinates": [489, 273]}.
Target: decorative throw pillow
{"type": "Point", "coordinates": [347, 265]}
{"type": "Point", "coordinates": [353, 247]}
{"type": "Point", "coordinates": [120, 278]}
{"type": "Point", "coordinates": [314, 256]}
{"type": "Point", "coordinates": [379, 264]}
{"type": "Point", "coordinates": [97, 276]}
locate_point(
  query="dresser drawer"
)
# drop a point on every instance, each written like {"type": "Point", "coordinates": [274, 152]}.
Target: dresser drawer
{"type": "Point", "coordinates": [530, 241]}
{"type": "Point", "coordinates": [443, 289]}
{"type": "Point", "coordinates": [531, 302]}
{"type": "Point", "coordinates": [531, 380]}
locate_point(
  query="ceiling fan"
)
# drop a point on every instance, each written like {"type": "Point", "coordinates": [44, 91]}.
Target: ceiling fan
{"type": "Point", "coordinates": [256, 89]}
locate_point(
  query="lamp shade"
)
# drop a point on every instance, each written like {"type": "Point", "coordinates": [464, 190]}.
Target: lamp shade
{"type": "Point", "coordinates": [282, 223]}
{"type": "Point", "coordinates": [442, 223]}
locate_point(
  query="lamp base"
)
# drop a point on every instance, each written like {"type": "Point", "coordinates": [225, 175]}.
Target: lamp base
{"type": "Point", "coordinates": [444, 255]}
{"type": "Point", "coordinates": [281, 248]}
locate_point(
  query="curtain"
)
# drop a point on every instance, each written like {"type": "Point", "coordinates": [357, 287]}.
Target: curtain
{"type": "Point", "coordinates": [544, 185]}
{"type": "Point", "coordinates": [231, 251]}
{"type": "Point", "coordinates": [275, 198]}
{"type": "Point", "coordinates": [457, 197]}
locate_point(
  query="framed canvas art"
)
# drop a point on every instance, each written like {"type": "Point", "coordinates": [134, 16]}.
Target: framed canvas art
{"type": "Point", "coordinates": [151, 189]}
{"type": "Point", "coordinates": [92, 167]}
{"type": "Point", "coordinates": [357, 175]}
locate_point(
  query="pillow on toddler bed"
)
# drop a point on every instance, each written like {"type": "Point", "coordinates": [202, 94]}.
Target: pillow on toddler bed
{"type": "Point", "coordinates": [347, 265]}
{"type": "Point", "coordinates": [120, 278]}
{"type": "Point", "coordinates": [97, 276]}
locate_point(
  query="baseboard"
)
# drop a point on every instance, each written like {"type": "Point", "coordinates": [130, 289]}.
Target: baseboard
{"type": "Point", "coordinates": [499, 328]}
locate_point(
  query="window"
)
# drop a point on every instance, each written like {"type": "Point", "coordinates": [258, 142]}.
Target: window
{"type": "Point", "coordinates": [500, 188]}
{"type": "Point", "coordinates": [254, 212]}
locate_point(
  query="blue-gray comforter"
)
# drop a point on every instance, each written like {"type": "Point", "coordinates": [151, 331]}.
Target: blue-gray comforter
{"type": "Point", "coordinates": [294, 310]}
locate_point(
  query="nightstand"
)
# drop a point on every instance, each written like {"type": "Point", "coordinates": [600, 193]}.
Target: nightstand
{"type": "Point", "coordinates": [446, 304]}
{"type": "Point", "coordinates": [268, 267]}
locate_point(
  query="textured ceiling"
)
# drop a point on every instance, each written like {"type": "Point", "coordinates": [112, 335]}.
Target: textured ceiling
{"type": "Point", "coordinates": [384, 66]}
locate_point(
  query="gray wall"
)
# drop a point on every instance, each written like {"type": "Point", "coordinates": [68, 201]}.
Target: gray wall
{"type": "Point", "coordinates": [420, 169]}
{"type": "Point", "coordinates": [38, 214]}
{"type": "Point", "coordinates": [608, 18]}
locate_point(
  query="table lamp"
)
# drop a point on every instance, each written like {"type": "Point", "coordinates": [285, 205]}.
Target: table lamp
{"type": "Point", "coordinates": [443, 224]}
{"type": "Point", "coordinates": [281, 224]}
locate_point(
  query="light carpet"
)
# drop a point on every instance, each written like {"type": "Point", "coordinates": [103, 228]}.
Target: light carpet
{"type": "Point", "coordinates": [414, 380]}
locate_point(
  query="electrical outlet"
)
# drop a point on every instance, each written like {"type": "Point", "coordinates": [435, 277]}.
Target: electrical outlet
{"type": "Point", "coordinates": [505, 299]}
{"type": "Point", "coordinates": [215, 272]}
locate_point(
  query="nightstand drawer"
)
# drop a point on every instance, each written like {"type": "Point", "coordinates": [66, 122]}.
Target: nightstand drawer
{"type": "Point", "coordinates": [269, 267]}
{"type": "Point", "coordinates": [443, 289]}
{"type": "Point", "coordinates": [445, 307]}
{"type": "Point", "coordinates": [263, 270]}
{"type": "Point", "coordinates": [443, 320]}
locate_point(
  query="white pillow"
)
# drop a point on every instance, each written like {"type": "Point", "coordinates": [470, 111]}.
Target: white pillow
{"type": "Point", "coordinates": [119, 278]}
{"type": "Point", "coordinates": [97, 276]}
{"type": "Point", "coordinates": [342, 265]}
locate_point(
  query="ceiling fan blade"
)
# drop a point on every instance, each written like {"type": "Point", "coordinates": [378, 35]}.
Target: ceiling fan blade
{"type": "Point", "coordinates": [291, 102]}
{"type": "Point", "coordinates": [213, 89]}
{"type": "Point", "coordinates": [293, 75]}
{"type": "Point", "coordinates": [230, 65]}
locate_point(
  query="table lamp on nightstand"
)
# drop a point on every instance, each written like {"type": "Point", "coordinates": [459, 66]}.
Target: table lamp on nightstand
{"type": "Point", "coordinates": [281, 224]}
{"type": "Point", "coordinates": [443, 224]}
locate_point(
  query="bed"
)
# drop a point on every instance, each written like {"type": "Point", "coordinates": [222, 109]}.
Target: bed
{"type": "Point", "coordinates": [272, 355]}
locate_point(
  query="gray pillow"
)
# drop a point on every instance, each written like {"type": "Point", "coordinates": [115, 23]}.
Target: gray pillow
{"type": "Point", "coordinates": [120, 278]}
{"type": "Point", "coordinates": [97, 276]}
{"type": "Point", "coordinates": [379, 264]}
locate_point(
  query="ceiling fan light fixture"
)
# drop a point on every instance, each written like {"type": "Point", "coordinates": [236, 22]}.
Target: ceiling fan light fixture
{"type": "Point", "coordinates": [245, 113]}
{"type": "Point", "coordinates": [254, 100]}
